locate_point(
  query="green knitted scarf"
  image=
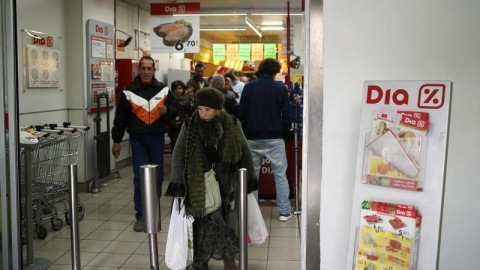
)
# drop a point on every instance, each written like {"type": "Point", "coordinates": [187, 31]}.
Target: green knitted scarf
{"type": "Point", "coordinates": [227, 140]}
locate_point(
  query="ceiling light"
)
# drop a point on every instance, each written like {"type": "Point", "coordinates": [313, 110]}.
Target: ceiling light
{"type": "Point", "coordinates": [249, 22]}
{"type": "Point", "coordinates": [271, 28]}
{"type": "Point", "coordinates": [223, 29]}
{"type": "Point", "coordinates": [277, 14]}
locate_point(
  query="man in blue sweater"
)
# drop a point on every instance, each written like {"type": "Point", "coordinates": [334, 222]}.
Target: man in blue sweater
{"type": "Point", "coordinates": [265, 114]}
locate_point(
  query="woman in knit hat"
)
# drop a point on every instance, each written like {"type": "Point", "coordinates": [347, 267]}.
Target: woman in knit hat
{"type": "Point", "coordinates": [211, 138]}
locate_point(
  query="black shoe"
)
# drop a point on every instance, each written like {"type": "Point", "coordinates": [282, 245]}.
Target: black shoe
{"type": "Point", "coordinates": [138, 227]}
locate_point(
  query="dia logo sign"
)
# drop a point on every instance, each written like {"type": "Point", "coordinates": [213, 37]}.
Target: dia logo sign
{"type": "Point", "coordinates": [431, 96]}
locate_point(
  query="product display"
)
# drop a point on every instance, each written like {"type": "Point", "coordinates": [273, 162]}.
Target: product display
{"type": "Point", "coordinates": [394, 149]}
{"type": "Point", "coordinates": [388, 236]}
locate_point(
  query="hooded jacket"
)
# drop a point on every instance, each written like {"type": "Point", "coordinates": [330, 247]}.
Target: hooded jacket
{"type": "Point", "coordinates": [137, 110]}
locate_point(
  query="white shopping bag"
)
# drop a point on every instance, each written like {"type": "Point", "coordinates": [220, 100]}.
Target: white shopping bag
{"type": "Point", "coordinates": [257, 231]}
{"type": "Point", "coordinates": [177, 251]}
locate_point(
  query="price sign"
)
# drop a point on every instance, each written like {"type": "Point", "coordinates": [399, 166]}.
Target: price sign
{"type": "Point", "coordinates": [175, 34]}
{"type": "Point", "coordinates": [218, 52]}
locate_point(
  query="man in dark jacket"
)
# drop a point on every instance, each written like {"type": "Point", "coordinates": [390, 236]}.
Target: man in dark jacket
{"type": "Point", "coordinates": [143, 111]}
{"type": "Point", "coordinates": [265, 113]}
{"type": "Point", "coordinates": [197, 81]}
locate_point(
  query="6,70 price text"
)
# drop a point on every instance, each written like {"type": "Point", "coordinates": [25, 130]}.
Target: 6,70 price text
{"type": "Point", "coordinates": [189, 43]}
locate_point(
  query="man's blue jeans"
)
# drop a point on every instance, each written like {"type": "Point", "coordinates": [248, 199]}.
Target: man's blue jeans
{"type": "Point", "coordinates": [146, 149]}
{"type": "Point", "coordinates": [274, 151]}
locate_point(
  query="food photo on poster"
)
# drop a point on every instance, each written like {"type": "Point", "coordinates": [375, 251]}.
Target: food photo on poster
{"type": "Point", "coordinates": [175, 34]}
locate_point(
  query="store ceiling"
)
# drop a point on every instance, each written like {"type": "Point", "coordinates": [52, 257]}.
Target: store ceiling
{"type": "Point", "coordinates": [240, 6]}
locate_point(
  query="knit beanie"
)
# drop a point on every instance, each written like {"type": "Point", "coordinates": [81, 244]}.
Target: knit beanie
{"type": "Point", "coordinates": [210, 97]}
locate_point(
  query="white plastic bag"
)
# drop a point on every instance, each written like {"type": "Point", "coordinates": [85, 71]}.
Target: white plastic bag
{"type": "Point", "coordinates": [177, 251]}
{"type": "Point", "coordinates": [257, 231]}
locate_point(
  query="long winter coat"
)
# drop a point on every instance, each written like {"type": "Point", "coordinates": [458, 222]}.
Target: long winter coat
{"type": "Point", "coordinates": [228, 178]}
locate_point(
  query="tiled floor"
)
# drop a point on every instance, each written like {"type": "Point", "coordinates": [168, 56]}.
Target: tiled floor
{"type": "Point", "coordinates": [107, 239]}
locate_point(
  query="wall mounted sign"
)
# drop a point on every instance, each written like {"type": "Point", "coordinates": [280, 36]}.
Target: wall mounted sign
{"type": "Point", "coordinates": [100, 63]}
{"type": "Point", "coordinates": [42, 58]}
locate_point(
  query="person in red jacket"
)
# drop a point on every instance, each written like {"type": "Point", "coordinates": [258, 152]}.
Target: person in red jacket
{"type": "Point", "coordinates": [143, 111]}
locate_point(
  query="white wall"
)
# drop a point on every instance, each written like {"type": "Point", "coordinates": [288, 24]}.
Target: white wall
{"type": "Point", "coordinates": [39, 106]}
{"type": "Point", "coordinates": [385, 40]}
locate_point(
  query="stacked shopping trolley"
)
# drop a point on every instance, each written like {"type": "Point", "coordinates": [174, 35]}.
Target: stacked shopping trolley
{"type": "Point", "coordinates": [45, 158]}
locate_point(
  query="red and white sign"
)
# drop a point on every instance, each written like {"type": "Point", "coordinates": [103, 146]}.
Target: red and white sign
{"type": "Point", "coordinates": [418, 102]}
{"type": "Point", "coordinates": [428, 96]}
{"type": "Point", "coordinates": [157, 9]}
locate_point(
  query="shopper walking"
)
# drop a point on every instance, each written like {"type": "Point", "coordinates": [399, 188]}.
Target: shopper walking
{"type": "Point", "coordinates": [237, 85]}
{"type": "Point", "coordinates": [184, 110]}
{"type": "Point", "coordinates": [197, 81]}
{"type": "Point", "coordinates": [143, 111]}
{"type": "Point", "coordinates": [230, 104]}
{"type": "Point", "coordinates": [211, 138]}
{"type": "Point", "coordinates": [265, 113]}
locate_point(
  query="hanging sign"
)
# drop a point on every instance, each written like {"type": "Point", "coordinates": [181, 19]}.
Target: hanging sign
{"type": "Point", "coordinates": [218, 52]}
{"type": "Point", "coordinates": [232, 52]}
{"type": "Point", "coordinates": [157, 9]}
{"type": "Point", "coordinates": [179, 34]}
{"type": "Point", "coordinates": [257, 52]}
{"type": "Point", "coordinates": [244, 52]}
{"type": "Point", "coordinates": [270, 51]}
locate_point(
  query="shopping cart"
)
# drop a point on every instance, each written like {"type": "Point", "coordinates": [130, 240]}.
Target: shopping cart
{"type": "Point", "coordinates": [47, 171]}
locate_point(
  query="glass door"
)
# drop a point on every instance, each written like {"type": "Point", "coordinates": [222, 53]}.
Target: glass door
{"type": "Point", "coordinates": [10, 244]}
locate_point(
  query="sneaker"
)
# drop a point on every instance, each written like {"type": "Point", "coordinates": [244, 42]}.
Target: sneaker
{"type": "Point", "coordinates": [138, 227]}
{"type": "Point", "coordinates": [285, 217]}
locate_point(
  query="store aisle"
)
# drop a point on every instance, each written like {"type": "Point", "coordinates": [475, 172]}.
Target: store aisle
{"type": "Point", "coordinates": [109, 242]}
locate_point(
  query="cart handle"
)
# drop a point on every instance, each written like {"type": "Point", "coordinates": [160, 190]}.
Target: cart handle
{"type": "Point", "coordinates": [68, 124]}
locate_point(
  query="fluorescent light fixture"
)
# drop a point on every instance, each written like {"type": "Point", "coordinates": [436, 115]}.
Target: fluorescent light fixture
{"type": "Point", "coordinates": [249, 22]}
{"type": "Point", "coordinates": [277, 14]}
{"type": "Point", "coordinates": [209, 14]}
{"type": "Point", "coordinates": [271, 28]}
{"type": "Point", "coordinates": [213, 14]}
{"type": "Point", "coordinates": [223, 29]}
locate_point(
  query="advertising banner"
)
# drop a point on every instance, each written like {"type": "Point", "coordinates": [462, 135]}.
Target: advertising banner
{"type": "Point", "coordinates": [175, 34]}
